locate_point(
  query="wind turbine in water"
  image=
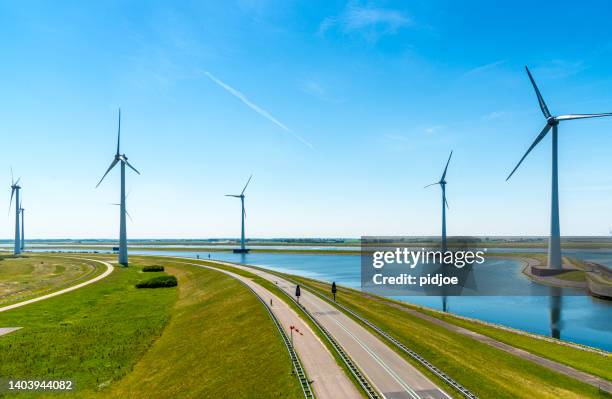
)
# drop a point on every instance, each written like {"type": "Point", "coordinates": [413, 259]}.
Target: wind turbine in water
{"type": "Point", "coordinates": [242, 249]}
{"type": "Point", "coordinates": [121, 158]}
{"type": "Point", "coordinates": [552, 123]}
{"type": "Point", "coordinates": [15, 187]}
{"type": "Point", "coordinates": [442, 184]}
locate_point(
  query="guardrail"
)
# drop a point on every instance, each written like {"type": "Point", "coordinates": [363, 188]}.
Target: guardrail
{"type": "Point", "coordinates": [297, 365]}
{"type": "Point", "coordinates": [363, 382]}
{"type": "Point", "coordinates": [458, 387]}
{"type": "Point", "coordinates": [357, 374]}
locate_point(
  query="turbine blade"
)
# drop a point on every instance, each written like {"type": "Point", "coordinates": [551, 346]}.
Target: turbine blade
{"type": "Point", "coordinates": [244, 212]}
{"type": "Point", "coordinates": [432, 184]}
{"type": "Point", "coordinates": [580, 116]}
{"type": "Point", "coordinates": [535, 142]}
{"type": "Point", "coordinates": [12, 178]}
{"type": "Point", "coordinates": [17, 182]}
{"type": "Point", "coordinates": [128, 215]}
{"type": "Point", "coordinates": [447, 162]}
{"type": "Point", "coordinates": [119, 132]}
{"type": "Point", "coordinates": [543, 106]}
{"type": "Point", "coordinates": [11, 201]}
{"type": "Point", "coordinates": [112, 165]}
{"type": "Point", "coordinates": [131, 167]}
{"type": "Point", "coordinates": [247, 183]}
{"type": "Point", "coordinates": [446, 202]}
{"type": "Point", "coordinates": [231, 195]}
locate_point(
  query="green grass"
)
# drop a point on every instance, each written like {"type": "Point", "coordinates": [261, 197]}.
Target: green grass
{"type": "Point", "coordinates": [93, 335]}
{"type": "Point", "coordinates": [572, 276]}
{"type": "Point", "coordinates": [26, 277]}
{"type": "Point", "coordinates": [208, 337]}
{"type": "Point", "coordinates": [484, 370]}
{"type": "Point", "coordinates": [220, 343]}
{"type": "Point", "coordinates": [281, 294]}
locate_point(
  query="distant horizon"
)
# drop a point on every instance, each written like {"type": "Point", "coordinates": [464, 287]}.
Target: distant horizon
{"type": "Point", "coordinates": [7, 240]}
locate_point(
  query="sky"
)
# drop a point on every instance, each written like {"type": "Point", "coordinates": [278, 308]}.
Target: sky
{"type": "Point", "coordinates": [342, 111]}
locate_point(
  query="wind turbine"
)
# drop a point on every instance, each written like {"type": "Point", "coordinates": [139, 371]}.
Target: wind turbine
{"type": "Point", "coordinates": [442, 184]}
{"type": "Point", "coordinates": [22, 211]}
{"type": "Point", "coordinates": [552, 122]}
{"type": "Point", "coordinates": [15, 187]}
{"type": "Point", "coordinates": [242, 249]}
{"type": "Point", "coordinates": [123, 255]}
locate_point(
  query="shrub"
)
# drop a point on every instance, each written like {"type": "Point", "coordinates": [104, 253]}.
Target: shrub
{"type": "Point", "coordinates": [154, 268]}
{"type": "Point", "coordinates": [158, 282]}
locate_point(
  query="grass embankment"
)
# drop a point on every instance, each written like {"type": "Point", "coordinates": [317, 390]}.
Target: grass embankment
{"type": "Point", "coordinates": [486, 371]}
{"type": "Point", "coordinates": [208, 337]}
{"type": "Point", "coordinates": [92, 335]}
{"type": "Point", "coordinates": [281, 294]}
{"type": "Point", "coordinates": [220, 343]}
{"type": "Point", "coordinates": [27, 277]}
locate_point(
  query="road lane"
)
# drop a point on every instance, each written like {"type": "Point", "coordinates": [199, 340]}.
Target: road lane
{"type": "Point", "coordinates": [329, 380]}
{"type": "Point", "coordinates": [391, 374]}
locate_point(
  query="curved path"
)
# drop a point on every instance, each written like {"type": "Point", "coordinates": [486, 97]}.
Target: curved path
{"type": "Point", "coordinates": [391, 374]}
{"type": "Point", "coordinates": [329, 380]}
{"type": "Point", "coordinates": [109, 270]}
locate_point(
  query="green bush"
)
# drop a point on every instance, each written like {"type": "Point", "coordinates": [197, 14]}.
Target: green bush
{"type": "Point", "coordinates": [154, 268]}
{"type": "Point", "coordinates": [158, 282]}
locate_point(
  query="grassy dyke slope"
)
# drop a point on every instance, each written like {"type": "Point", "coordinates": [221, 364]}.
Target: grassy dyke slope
{"type": "Point", "coordinates": [220, 343]}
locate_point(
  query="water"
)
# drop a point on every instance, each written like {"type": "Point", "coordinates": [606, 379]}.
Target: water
{"type": "Point", "coordinates": [583, 319]}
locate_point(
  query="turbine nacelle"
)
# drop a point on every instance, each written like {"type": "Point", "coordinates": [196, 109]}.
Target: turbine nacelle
{"type": "Point", "coordinates": [118, 156]}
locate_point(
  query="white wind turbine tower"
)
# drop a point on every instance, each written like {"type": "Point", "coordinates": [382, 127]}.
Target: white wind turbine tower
{"type": "Point", "coordinates": [22, 211]}
{"type": "Point", "coordinates": [442, 184]}
{"type": "Point", "coordinates": [242, 249]}
{"type": "Point", "coordinates": [123, 254]}
{"type": "Point", "coordinates": [552, 122]}
{"type": "Point", "coordinates": [15, 187]}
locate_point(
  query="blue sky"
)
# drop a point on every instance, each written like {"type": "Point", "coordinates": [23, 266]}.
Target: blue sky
{"type": "Point", "coordinates": [343, 111]}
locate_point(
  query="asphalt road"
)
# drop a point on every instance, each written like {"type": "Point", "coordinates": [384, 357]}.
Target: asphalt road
{"type": "Point", "coordinates": [329, 381]}
{"type": "Point", "coordinates": [392, 376]}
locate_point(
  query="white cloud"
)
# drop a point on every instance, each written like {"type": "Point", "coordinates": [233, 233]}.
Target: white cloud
{"type": "Point", "coordinates": [493, 115]}
{"type": "Point", "coordinates": [558, 69]}
{"type": "Point", "coordinates": [433, 129]}
{"type": "Point", "coordinates": [372, 22]}
{"type": "Point", "coordinates": [256, 108]}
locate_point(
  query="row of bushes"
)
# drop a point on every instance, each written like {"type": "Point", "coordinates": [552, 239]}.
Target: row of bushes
{"type": "Point", "coordinates": [158, 282]}
{"type": "Point", "coordinates": [154, 268]}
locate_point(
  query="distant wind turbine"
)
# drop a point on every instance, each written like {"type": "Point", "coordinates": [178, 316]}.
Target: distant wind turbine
{"type": "Point", "coordinates": [442, 184]}
{"type": "Point", "coordinates": [123, 254]}
{"type": "Point", "coordinates": [15, 187]}
{"type": "Point", "coordinates": [552, 122]}
{"type": "Point", "coordinates": [241, 196]}
{"type": "Point", "coordinates": [22, 211]}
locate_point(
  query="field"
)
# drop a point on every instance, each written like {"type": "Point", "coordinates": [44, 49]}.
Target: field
{"type": "Point", "coordinates": [27, 277]}
{"type": "Point", "coordinates": [114, 340]}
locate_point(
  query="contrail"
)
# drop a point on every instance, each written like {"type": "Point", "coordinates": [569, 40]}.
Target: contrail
{"type": "Point", "coordinates": [256, 108]}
